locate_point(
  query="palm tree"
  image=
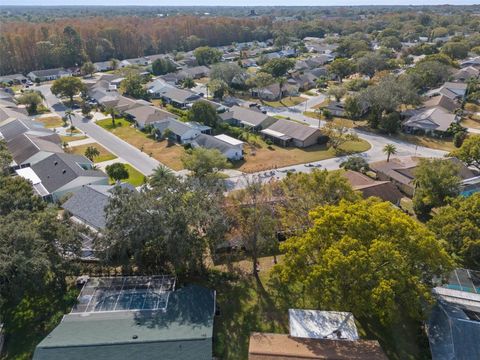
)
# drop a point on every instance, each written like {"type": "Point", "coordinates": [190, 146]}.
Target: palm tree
{"type": "Point", "coordinates": [281, 81]}
{"type": "Point", "coordinates": [91, 152]}
{"type": "Point", "coordinates": [160, 175]}
{"type": "Point", "coordinates": [389, 149]}
{"type": "Point", "coordinates": [113, 113]}
{"type": "Point", "coordinates": [69, 114]}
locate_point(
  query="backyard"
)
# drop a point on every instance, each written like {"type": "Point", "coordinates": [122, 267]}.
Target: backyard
{"type": "Point", "coordinates": [50, 121]}
{"type": "Point", "coordinates": [160, 150]}
{"type": "Point", "coordinates": [104, 155]}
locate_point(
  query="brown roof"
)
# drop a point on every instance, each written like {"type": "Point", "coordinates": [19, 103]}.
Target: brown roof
{"type": "Point", "coordinates": [441, 101]}
{"type": "Point", "coordinates": [284, 347]}
{"type": "Point", "coordinates": [385, 190]}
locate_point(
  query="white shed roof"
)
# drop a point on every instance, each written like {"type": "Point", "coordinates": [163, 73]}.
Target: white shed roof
{"type": "Point", "coordinates": [228, 139]}
{"type": "Point", "coordinates": [315, 324]}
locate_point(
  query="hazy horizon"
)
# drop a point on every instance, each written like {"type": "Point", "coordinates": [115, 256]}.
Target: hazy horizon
{"type": "Point", "coordinates": [244, 3]}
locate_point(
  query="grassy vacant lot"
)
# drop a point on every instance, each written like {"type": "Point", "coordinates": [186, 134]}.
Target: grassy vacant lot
{"type": "Point", "coordinates": [262, 157]}
{"type": "Point", "coordinates": [105, 155]}
{"type": "Point", "coordinates": [168, 155]}
{"type": "Point", "coordinates": [286, 101]}
{"type": "Point", "coordinates": [50, 121]}
{"type": "Point", "coordinates": [430, 142]}
{"type": "Point", "coordinates": [337, 120]}
{"type": "Point", "coordinates": [135, 177]}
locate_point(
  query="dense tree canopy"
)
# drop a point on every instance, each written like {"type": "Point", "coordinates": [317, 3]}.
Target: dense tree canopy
{"type": "Point", "coordinates": [206, 55]}
{"type": "Point", "coordinates": [459, 225]}
{"type": "Point", "coordinates": [203, 162]}
{"type": "Point", "coordinates": [469, 152]}
{"type": "Point", "coordinates": [365, 257]}
{"type": "Point", "coordinates": [204, 113]}
{"type": "Point", "coordinates": [68, 87]}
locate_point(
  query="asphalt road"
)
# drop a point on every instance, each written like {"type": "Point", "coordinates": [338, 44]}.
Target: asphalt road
{"type": "Point", "coordinates": [139, 160]}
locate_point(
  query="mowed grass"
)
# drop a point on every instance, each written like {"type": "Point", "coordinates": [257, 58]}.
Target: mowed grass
{"type": "Point", "coordinates": [471, 122]}
{"type": "Point", "coordinates": [337, 120]}
{"type": "Point", "coordinates": [426, 141]}
{"type": "Point", "coordinates": [68, 138]}
{"type": "Point", "coordinates": [264, 157]}
{"type": "Point", "coordinates": [161, 151]}
{"type": "Point", "coordinates": [50, 121]}
{"type": "Point", "coordinates": [135, 177]}
{"type": "Point", "coordinates": [286, 101]}
{"type": "Point", "coordinates": [105, 155]}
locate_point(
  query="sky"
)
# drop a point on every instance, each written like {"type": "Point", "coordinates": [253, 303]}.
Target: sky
{"type": "Point", "coordinates": [236, 2]}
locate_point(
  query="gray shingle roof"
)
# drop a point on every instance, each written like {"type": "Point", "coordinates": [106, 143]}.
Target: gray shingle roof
{"type": "Point", "coordinates": [25, 146]}
{"type": "Point", "coordinates": [245, 116]}
{"type": "Point", "coordinates": [211, 142]}
{"type": "Point", "coordinates": [58, 170]}
{"type": "Point", "coordinates": [179, 95]}
{"type": "Point", "coordinates": [293, 130]}
{"type": "Point", "coordinates": [184, 331]}
{"type": "Point", "coordinates": [13, 128]}
{"type": "Point", "coordinates": [50, 72]}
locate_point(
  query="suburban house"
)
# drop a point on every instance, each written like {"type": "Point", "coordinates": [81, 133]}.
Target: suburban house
{"type": "Point", "coordinates": [272, 92]}
{"type": "Point", "coordinates": [242, 116]}
{"type": "Point", "coordinates": [230, 147]}
{"type": "Point", "coordinates": [144, 115]}
{"type": "Point", "coordinates": [87, 205]}
{"type": "Point", "coordinates": [454, 324]}
{"type": "Point", "coordinates": [285, 133]}
{"type": "Point", "coordinates": [141, 61]}
{"type": "Point", "coordinates": [60, 174]}
{"type": "Point", "coordinates": [155, 87]}
{"type": "Point", "coordinates": [432, 121]}
{"type": "Point", "coordinates": [138, 317]}
{"type": "Point", "coordinates": [304, 82]}
{"type": "Point", "coordinates": [178, 97]}
{"type": "Point", "coordinates": [49, 74]}
{"type": "Point", "coordinates": [13, 79]}
{"type": "Point", "coordinates": [336, 108]}
{"type": "Point", "coordinates": [28, 149]}
{"type": "Point", "coordinates": [475, 62]}
{"type": "Point", "coordinates": [180, 132]}
{"type": "Point", "coordinates": [195, 72]}
{"type": "Point", "coordinates": [466, 73]}
{"type": "Point", "coordinates": [401, 172]}
{"type": "Point", "coordinates": [103, 66]}
{"type": "Point", "coordinates": [368, 187]}
{"type": "Point", "coordinates": [326, 335]}
{"type": "Point", "coordinates": [12, 127]}
{"type": "Point", "coordinates": [452, 90]}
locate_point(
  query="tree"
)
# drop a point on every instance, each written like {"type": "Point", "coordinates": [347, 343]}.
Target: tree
{"type": "Point", "coordinates": [260, 81]}
{"type": "Point", "coordinates": [253, 216]}
{"type": "Point", "coordinates": [341, 68]}
{"type": "Point", "coordinates": [278, 67]}
{"type": "Point", "coordinates": [217, 88]}
{"type": "Point", "coordinates": [353, 108]}
{"type": "Point", "coordinates": [112, 112]}
{"type": "Point", "coordinates": [32, 99]}
{"type": "Point", "coordinates": [206, 55]}
{"type": "Point", "coordinates": [338, 135]}
{"type": "Point", "coordinates": [391, 42]}
{"type": "Point", "coordinates": [117, 171]}
{"type": "Point", "coordinates": [299, 193]}
{"type": "Point", "coordinates": [456, 50]}
{"type": "Point", "coordinates": [68, 86]}
{"type": "Point", "coordinates": [68, 115]}
{"type": "Point", "coordinates": [188, 83]}
{"type": "Point", "coordinates": [163, 66]}
{"type": "Point", "coordinates": [132, 85]}
{"type": "Point", "coordinates": [71, 48]}
{"type": "Point", "coordinates": [366, 257]}
{"type": "Point", "coordinates": [91, 152]}
{"type": "Point", "coordinates": [337, 92]}
{"type": "Point", "coordinates": [226, 72]}
{"type": "Point", "coordinates": [114, 64]}
{"type": "Point", "coordinates": [370, 63]}
{"type": "Point", "coordinates": [389, 149]}
{"type": "Point", "coordinates": [459, 225]}
{"type": "Point", "coordinates": [17, 193]}
{"type": "Point", "coordinates": [88, 68]}
{"type": "Point", "coordinates": [355, 163]}
{"type": "Point", "coordinates": [171, 227]}
{"type": "Point", "coordinates": [469, 152]}
{"type": "Point", "coordinates": [204, 113]}
{"type": "Point", "coordinates": [434, 188]}
{"type": "Point", "coordinates": [204, 162]}
{"type": "Point", "coordinates": [5, 158]}
{"type": "Point", "coordinates": [160, 176]}
{"type": "Point", "coordinates": [428, 74]}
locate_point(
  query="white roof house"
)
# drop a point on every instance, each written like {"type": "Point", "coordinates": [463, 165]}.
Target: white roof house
{"type": "Point", "coordinates": [316, 324]}
{"type": "Point", "coordinates": [230, 140]}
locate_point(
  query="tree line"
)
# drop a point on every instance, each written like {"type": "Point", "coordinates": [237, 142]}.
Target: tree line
{"type": "Point", "coordinates": [28, 46]}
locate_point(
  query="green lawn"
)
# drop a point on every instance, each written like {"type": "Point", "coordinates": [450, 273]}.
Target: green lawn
{"type": "Point", "coordinates": [105, 155]}
{"type": "Point", "coordinates": [162, 151]}
{"type": "Point", "coordinates": [286, 101]}
{"type": "Point", "coordinates": [135, 177]}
